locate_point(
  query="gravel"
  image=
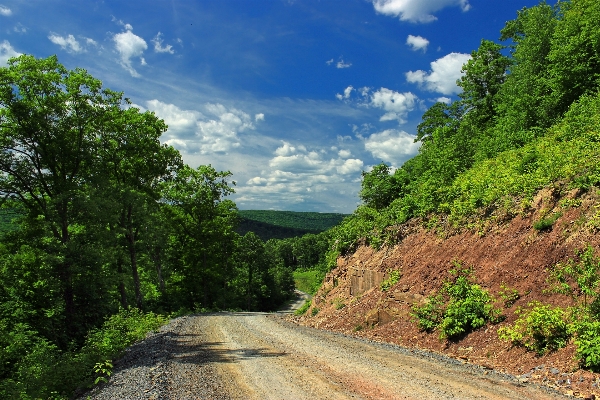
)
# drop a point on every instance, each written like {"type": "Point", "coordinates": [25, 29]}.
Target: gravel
{"type": "Point", "coordinates": [263, 356]}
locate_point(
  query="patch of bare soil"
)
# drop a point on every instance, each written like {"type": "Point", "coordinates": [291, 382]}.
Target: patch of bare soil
{"type": "Point", "coordinates": [503, 252]}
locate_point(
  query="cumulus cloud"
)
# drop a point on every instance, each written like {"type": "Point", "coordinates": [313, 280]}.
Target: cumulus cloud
{"type": "Point", "coordinates": [443, 75]}
{"type": "Point", "coordinates": [417, 43]}
{"type": "Point", "coordinates": [444, 99]}
{"type": "Point", "coordinates": [344, 153]}
{"type": "Point", "coordinates": [68, 43]}
{"type": "Point", "coordinates": [158, 47]}
{"type": "Point", "coordinates": [182, 123]}
{"type": "Point", "coordinates": [129, 46]}
{"type": "Point", "coordinates": [346, 95]}
{"type": "Point", "coordinates": [215, 130]}
{"type": "Point", "coordinates": [396, 105]}
{"type": "Point", "coordinates": [6, 52]}
{"type": "Point", "coordinates": [5, 11]}
{"type": "Point", "coordinates": [259, 117]}
{"type": "Point", "coordinates": [418, 11]}
{"type": "Point", "coordinates": [329, 62]}
{"type": "Point", "coordinates": [392, 146]}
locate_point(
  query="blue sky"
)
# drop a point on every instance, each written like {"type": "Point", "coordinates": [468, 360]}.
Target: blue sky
{"type": "Point", "coordinates": [294, 97]}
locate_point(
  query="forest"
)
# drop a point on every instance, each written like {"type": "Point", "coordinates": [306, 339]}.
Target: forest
{"type": "Point", "coordinates": [111, 233]}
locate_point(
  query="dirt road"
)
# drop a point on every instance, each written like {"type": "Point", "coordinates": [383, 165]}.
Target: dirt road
{"type": "Point", "coordinates": [263, 356]}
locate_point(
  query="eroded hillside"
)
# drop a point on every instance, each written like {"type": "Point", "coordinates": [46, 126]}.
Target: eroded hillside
{"type": "Point", "coordinates": [503, 253]}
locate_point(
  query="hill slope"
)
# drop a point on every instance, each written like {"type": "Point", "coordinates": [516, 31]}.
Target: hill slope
{"type": "Point", "coordinates": [269, 224]}
{"type": "Point", "coordinates": [510, 254]}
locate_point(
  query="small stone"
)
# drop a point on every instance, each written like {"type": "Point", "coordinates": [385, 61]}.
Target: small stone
{"type": "Point", "coordinates": [554, 371]}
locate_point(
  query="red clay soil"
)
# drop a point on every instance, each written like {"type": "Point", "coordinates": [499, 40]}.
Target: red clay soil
{"type": "Point", "coordinates": [510, 253]}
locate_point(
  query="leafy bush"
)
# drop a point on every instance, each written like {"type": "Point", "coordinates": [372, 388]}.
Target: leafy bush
{"type": "Point", "coordinates": [460, 307]}
{"type": "Point", "coordinates": [391, 280]}
{"type": "Point", "coordinates": [540, 327]}
{"type": "Point", "coordinates": [430, 315]}
{"type": "Point", "coordinates": [587, 341]}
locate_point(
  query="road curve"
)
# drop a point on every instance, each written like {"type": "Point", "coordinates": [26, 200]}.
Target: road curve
{"type": "Point", "coordinates": [263, 356]}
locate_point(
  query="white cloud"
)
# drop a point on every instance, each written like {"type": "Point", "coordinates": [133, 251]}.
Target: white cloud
{"type": "Point", "coordinates": [68, 43]}
{"type": "Point", "coordinates": [259, 117]}
{"type": "Point", "coordinates": [158, 48]}
{"type": "Point", "coordinates": [396, 105]}
{"type": "Point", "coordinates": [344, 153]}
{"type": "Point", "coordinates": [444, 73]}
{"type": "Point", "coordinates": [221, 135]}
{"type": "Point", "coordinates": [129, 46]}
{"type": "Point", "coordinates": [417, 43]}
{"type": "Point", "coordinates": [182, 123]}
{"type": "Point", "coordinates": [416, 10]}
{"type": "Point", "coordinates": [6, 52]}
{"type": "Point", "coordinates": [5, 11]}
{"type": "Point", "coordinates": [392, 146]}
{"type": "Point", "coordinates": [329, 62]}
{"type": "Point", "coordinates": [444, 99]}
{"type": "Point", "coordinates": [346, 95]}
{"type": "Point", "coordinates": [91, 42]}
{"type": "Point", "coordinates": [343, 64]}
{"type": "Point", "coordinates": [350, 166]}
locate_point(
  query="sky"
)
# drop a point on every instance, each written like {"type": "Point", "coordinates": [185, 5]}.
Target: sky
{"type": "Point", "coordinates": [295, 97]}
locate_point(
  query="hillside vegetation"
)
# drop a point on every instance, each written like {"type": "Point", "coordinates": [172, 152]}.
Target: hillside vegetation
{"type": "Point", "coordinates": [524, 120]}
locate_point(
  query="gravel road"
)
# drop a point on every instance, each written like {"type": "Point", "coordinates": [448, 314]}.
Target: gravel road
{"type": "Point", "coordinates": [264, 356]}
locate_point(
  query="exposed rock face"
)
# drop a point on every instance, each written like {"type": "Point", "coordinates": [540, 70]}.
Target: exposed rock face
{"type": "Point", "coordinates": [502, 249]}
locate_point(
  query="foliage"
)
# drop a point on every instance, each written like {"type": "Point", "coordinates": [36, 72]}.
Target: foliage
{"type": "Point", "coordinates": [391, 280]}
{"type": "Point", "coordinates": [304, 308]}
{"type": "Point", "coordinates": [540, 327]}
{"type": "Point", "coordinates": [430, 315]}
{"type": "Point", "coordinates": [547, 222]}
{"type": "Point", "coordinates": [43, 371]}
{"type": "Point", "coordinates": [587, 342]}
{"type": "Point", "coordinates": [460, 307]}
{"type": "Point", "coordinates": [508, 295]}
{"type": "Point", "coordinates": [308, 281]}
{"type": "Point", "coordinates": [579, 279]}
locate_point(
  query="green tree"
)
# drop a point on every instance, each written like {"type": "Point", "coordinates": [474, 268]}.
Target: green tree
{"type": "Point", "coordinates": [50, 121]}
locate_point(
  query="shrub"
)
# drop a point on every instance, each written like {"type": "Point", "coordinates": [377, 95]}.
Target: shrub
{"type": "Point", "coordinates": [459, 308]}
{"type": "Point", "coordinates": [303, 309]}
{"type": "Point", "coordinates": [540, 327]}
{"type": "Point", "coordinates": [430, 315]}
{"type": "Point", "coordinates": [391, 280]}
{"type": "Point", "coordinates": [588, 344]}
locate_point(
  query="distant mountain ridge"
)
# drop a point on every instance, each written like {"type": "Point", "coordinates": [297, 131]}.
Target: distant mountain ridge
{"type": "Point", "coordinates": [270, 224]}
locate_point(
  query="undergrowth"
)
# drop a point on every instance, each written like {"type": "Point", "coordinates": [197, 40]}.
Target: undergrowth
{"type": "Point", "coordinates": [460, 307]}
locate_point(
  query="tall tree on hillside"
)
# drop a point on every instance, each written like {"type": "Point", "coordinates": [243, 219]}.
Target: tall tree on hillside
{"type": "Point", "coordinates": [525, 100]}
{"type": "Point", "coordinates": [50, 122]}
{"type": "Point", "coordinates": [575, 53]}
{"type": "Point", "coordinates": [135, 163]}
{"type": "Point", "coordinates": [203, 224]}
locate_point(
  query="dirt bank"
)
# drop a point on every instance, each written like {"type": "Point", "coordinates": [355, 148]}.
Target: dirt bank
{"type": "Point", "coordinates": [503, 250]}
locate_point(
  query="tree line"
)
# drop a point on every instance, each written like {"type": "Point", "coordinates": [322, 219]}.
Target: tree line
{"type": "Point", "coordinates": [105, 217]}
